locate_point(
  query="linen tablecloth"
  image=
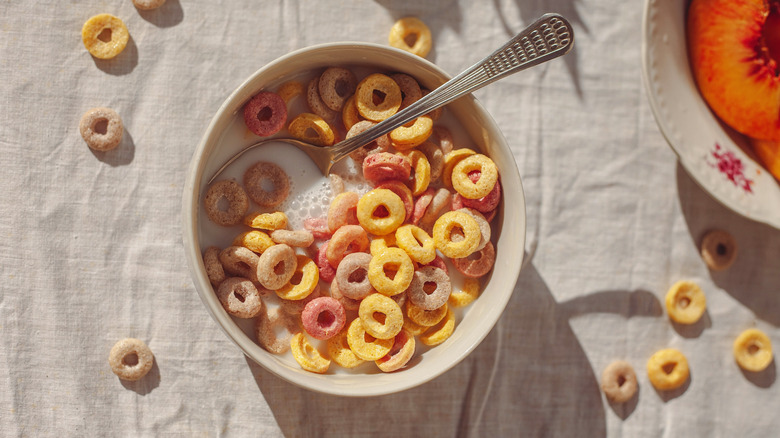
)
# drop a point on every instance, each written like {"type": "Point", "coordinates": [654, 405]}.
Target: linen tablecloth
{"type": "Point", "coordinates": [91, 252]}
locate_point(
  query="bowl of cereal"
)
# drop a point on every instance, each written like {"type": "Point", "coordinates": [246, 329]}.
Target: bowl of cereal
{"type": "Point", "coordinates": [379, 277]}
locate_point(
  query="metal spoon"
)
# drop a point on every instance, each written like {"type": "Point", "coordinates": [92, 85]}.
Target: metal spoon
{"type": "Point", "coordinates": [547, 38]}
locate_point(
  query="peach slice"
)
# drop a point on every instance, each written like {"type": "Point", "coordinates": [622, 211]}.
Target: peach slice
{"type": "Point", "coordinates": [768, 152]}
{"type": "Point", "coordinates": [733, 55]}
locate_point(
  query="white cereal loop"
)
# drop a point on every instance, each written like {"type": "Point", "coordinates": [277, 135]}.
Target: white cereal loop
{"type": "Point", "coordinates": [101, 129]}
{"type": "Point", "coordinates": [239, 297]}
{"type": "Point", "coordinates": [130, 359]}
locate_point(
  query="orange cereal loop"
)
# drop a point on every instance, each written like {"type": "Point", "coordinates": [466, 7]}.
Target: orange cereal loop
{"type": "Point", "coordinates": [306, 355]}
{"type": "Point", "coordinates": [266, 221]}
{"type": "Point", "coordinates": [753, 350]}
{"type": "Point", "coordinates": [441, 331]}
{"type": "Point", "coordinates": [378, 97]}
{"type": "Point", "coordinates": [425, 318]}
{"type": "Point", "coordinates": [416, 242]}
{"type": "Point", "coordinates": [443, 230]}
{"type": "Point", "coordinates": [304, 280]}
{"type": "Point", "coordinates": [364, 345]}
{"type": "Point", "coordinates": [465, 295]}
{"type": "Point", "coordinates": [380, 211]}
{"type": "Point", "coordinates": [346, 240]}
{"type": "Point", "coordinates": [130, 359]}
{"type": "Point", "coordinates": [313, 129]}
{"type": "Point", "coordinates": [685, 302]}
{"type": "Point", "coordinates": [667, 369]}
{"type": "Point", "coordinates": [350, 114]}
{"type": "Point", "coordinates": [343, 210]}
{"type": "Point", "coordinates": [237, 203]}
{"type": "Point", "coordinates": [339, 351]}
{"type": "Point", "coordinates": [104, 36]}
{"type": "Point", "coordinates": [381, 243]}
{"type": "Point", "coordinates": [406, 137]}
{"type": "Point", "coordinates": [450, 160]}
{"type": "Point", "coordinates": [101, 129]}
{"type": "Point", "coordinates": [290, 90]}
{"type": "Point", "coordinates": [421, 168]}
{"type": "Point", "coordinates": [487, 179]}
{"type": "Point", "coordinates": [381, 316]}
{"type": "Point", "coordinates": [256, 241]}
{"type": "Point", "coordinates": [411, 28]}
{"type": "Point", "coordinates": [394, 260]}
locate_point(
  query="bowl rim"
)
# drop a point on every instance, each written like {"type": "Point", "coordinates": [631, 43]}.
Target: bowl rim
{"type": "Point", "coordinates": [190, 230]}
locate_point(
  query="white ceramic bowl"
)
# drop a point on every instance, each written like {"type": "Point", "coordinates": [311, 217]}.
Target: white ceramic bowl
{"type": "Point", "coordinates": [509, 226]}
{"type": "Point", "coordinates": [717, 158]}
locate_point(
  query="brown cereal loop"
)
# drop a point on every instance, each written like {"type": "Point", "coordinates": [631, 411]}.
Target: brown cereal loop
{"type": "Point", "coordinates": [410, 89]}
{"type": "Point", "coordinates": [265, 329]}
{"type": "Point", "coordinates": [718, 249]}
{"type": "Point", "coordinates": [214, 270]}
{"type": "Point", "coordinates": [276, 266]}
{"type": "Point", "coordinates": [297, 238]}
{"type": "Point", "coordinates": [336, 85]}
{"type": "Point", "coordinates": [430, 288]}
{"type": "Point", "coordinates": [411, 28]}
{"type": "Point", "coordinates": [270, 172]}
{"type": "Point", "coordinates": [618, 381]}
{"type": "Point", "coordinates": [148, 4]}
{"type": "Point", "coordinates": [316, 104]}
{"type": "Point", "coordinates": [352, 276]}
{"type": "Point", "coordinates": [238, 203]}
{"type": "Point", "coordinates": [348, 303]}
{"type": "Point", "coordinates": [101, 129]}
{"type": "Point", "coordinates": [240, 297]}
{"type": "Point", "coordinates": [240, 261]}
{"type": "Point", "coordinates": [130, 359]}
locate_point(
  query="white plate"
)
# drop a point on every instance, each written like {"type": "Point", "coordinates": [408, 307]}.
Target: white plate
{"type": "Point", "coordinates": [717, 158]}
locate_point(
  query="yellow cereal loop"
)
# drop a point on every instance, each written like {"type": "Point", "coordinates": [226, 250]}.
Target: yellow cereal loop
{"type": "Point", "coordinates": [393, 260]}
{"type": "Point", "coordinates": [413, 328]}
{"type": "Point", "coordinates": [381, 316]}
{"type": "Point", "coordinates": [379, 109]}
{"type": "Point", "coordinates": [425, 318]}
{"type": "Point", "coordinates": [406, 137]}
{"type": "Point", "coordinates": [381, 243]}
{"type": "Point", "coordinates": [416, 242]}
{"type": "Point", "coordinates": [289, 90]}
{"type": "Point", "coordinates": [266, 221]}
{"type": "Point", "coordinates": [364, 345]}
{"type": "Point", "coordinates": [411, 29]}
{"type": "Point", "coordinates": [441, 331]}
{"type": "Point", "coordinates": [256, 241]}
{"type": "Point", "coordinates": [368, 212]}
{"type": "Point", "coordinates": [309, 276]}
{"type": "Point", "coordinates": [450, 160]}
{"type": "Point", "coordinates": [442, 234]}
{"type": "Point", "coordinates": [466, 295]}
{"type": "Point", "coordinates": [313, 129]}
{"type": "Point", "coordinates": [422, 171]}
{"type": "Point", "coordinates": [350, 114]}
{"type": "Point", "coordinates": [487, 180]}
{"type": "Point", "coordinates": [667, 369]}
{"type": "Point", "coordinates": [753, 350]}
{"type": "Point", "coordinates": [339, 351]}
{"type": "Point", "coordinates": [685, 302]}
{"type": "Point", "coordinates": [306, 355]}
{"type": "Point", "coordinates": [104, 36]}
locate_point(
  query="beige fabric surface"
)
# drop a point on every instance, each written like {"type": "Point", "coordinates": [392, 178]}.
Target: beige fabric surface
{"type": "Point", "coordinates": [91, 252]}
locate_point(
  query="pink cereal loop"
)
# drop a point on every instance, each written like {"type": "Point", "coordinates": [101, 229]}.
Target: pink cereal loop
{"type": "Point", "coordinates": [419, 292]}
{"type": "Point", "coordinates": [323, 318]}
{"type": "Point", "coordinates": [343, 211]}
{"type": "Point", "coordinates": [327, 272]}
{"type": "Point", "coordinates": [421, 205]}
{"type": "Point", "coordinates": [478, 264]}
{"type": "Point", "coordinates": [268, 272]}
{"type": "Point", "coordinates": [386, 166]}
{"type": "Point", "coordinates": [352, 276]}
{"type": "Point", "coordinates": [346, 240]}
{"type": "Point", "coordinates": [318, 227]}
{"type": "Point", "coordinates": [487, 203]}
{"type": "Point", "coordinates": [239, 297]}
{"type": "Point", "coordinates": [265, 114]}
{"type": "Point", "coordinates": [265, 330]}
{"type": "Point", "coordinates": [381, 144]}
{"type": "Point", "coordinates": [400, 353]}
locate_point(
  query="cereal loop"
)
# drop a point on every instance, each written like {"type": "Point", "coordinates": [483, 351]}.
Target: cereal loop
{"type": "Point", "coordinates": [364, 345]}
{"type": "Point", "coordinates": [380, 212]}
{"type": "Point", "coordinates": [393, 260]}
{"type": "Point", "coordinates": [484, 225]}
{"type": "Point", "coordinates": [486, 204]}
{"type": "Point", "coordinates": [667, 369]}
{"type": "Point", "coordinates": [296, 238]}
{"type": "Point", "coordinates": [336, 85]}
{"type": "Point", "coordinates": [685, 302]}
{"type": "Point", "coordinates": [104, 36]}
{"type": "Point", "coordinates": [618, 381]}
{"type": "Point", "coordinates": [425, 318]}
{"type": "Point", "coordinates": [316, 104]}
{"type": "Point", "coordinates": [295, 307]}
{"type": "Point", "coordinates": [265, 114]}
{"type": "Point", "coordinates": [318, 227]}
{"type": "Point", "coordinates": [276, 266]}
{"type": "Point", "coordinates": [413, 328]}
{"type": "Point", "coordinates": [348, 303]}
{"type": "Point", "coordinates": [240, 261]}
{"type": "Point", "coordinates": [466, 294]}
{"type": "Point", "coordinates": [410, 89]}
{"type": "Point", "coordinates": [343, 210]}
{"type": "Point", "coordinates": [346, 240]}
{"type": "Point", "coordinates": [323, 318]}
{"type": "Point", "coordinates": [290, 90]}
{"type": "Point", "coordinates": [101, 129]}
{"type": "Point", "coordinates": [441, 202]}
{"type": "Point", "coordinates": [313, 129]}
{"type": "Point", "coordinates": [306, 355]}
{"type": "Point", "coordinates": [256, 241]}
{"type": "Point", "coordinates": [403, 192]}
{"type": "Point", "coordinates": [262, 174]}
{"type": "Point", "coordinates": [416, 242]}
{"type": "Point", "coordinates": [478, 264]}
{"type": "Point", "coordinates": [408, 136]}
{"type": "Point", "coordinates": [309, 275]}
{"type": "Point", "coordinates": [349, 113]}
{"type": "Point", "coordinates": [339, 351]}
{"type": "Point", "coordinates": [753, 350]}
{"type": "Point", "coordinates": [381, 243]}
{"type": "Point", "coordinates": [239, 297]}
{"type": "Point", "coordinates": [236, 198]}
{"type": "Point", "coordinates": [400, 353]}
{"type": "Point", "coordinates": [130, 359]}
{"type": "Point", "coordinates": [421, 171]}
{"type": "Point", "coordinates": [266, 330]}
{"type": "Point", "coordinates": [718, 249]}
{"type": "Point", "coordinates": [384, 166]}
{"type": "Point", "coordinates": [450, 160]}
{"type": "Point", "coordinates": [214, 270]}
{"type": "Point", "coordinates": [381, 144]}
{"type": "Point", "coordinates": [352, 276]}
{"type": "Point", "coordinates": [421, 205]}
{"type": "Point", "coordinates": [443, 231]}
{"type": "Point", "coordinates": [381, 316]}
{"type": "Point", "coordinates": [414, 28]}
{"type": "Point", "coordinates": [368, 101]}
{"type": "Point", "coordinates": [463, 184]}
{"type": "Point", "coordinates": [430, 288]}
{"type": "Point", "coordinates": [327, 272]}
{"type": "Point", "coordinates": [441, 331]}
{"type": "Point", "coordinates": [435, 158]}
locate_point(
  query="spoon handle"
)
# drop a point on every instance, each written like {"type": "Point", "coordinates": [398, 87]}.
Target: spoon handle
{"type": "Point", "coordinates": [547, 38]}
